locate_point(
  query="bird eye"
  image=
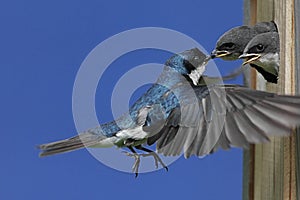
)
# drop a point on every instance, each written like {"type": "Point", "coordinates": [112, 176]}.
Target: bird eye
{"type": "Point", "coordinates": [228, 46]}
{"type": "Point", "coordinates": [260, 47]}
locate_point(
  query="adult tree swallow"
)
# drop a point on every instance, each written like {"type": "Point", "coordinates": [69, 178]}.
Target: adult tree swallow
{"type": "Point", "coordinates": [180, 115]}
{"type": "Point", "coordinates": [263, 51]}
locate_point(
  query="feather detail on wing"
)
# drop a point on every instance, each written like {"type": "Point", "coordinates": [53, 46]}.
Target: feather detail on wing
{"type": "Point", "coordinates": [226, 116]}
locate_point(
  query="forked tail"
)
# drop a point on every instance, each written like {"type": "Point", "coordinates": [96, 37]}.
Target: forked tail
{"type": "Point", "coordinates": [71, 144]}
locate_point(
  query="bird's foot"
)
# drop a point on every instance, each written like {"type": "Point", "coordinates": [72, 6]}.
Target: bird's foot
{"type": "Point", "coordinates": [136, 165]}
{"type": "Point", "coordinates": [137, 157]}
{"type": "Point", "coordinates": [157, 159]}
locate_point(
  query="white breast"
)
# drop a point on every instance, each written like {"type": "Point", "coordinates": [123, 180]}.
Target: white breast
{"type": "Point", "coordinates": [270, 62]}
{"type": "Point", "coordinates": [196, 74]}
{"type": "Point", "coordinates": [136, 133]}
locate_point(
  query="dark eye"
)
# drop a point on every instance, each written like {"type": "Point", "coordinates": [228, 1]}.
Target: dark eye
{"type": "Point", "coordinates": [260, 47]}
{"type": "Point", "coordinates": [228, 46]}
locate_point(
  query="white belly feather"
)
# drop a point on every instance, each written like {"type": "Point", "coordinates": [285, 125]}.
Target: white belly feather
{"type": "Point", "coordinates": [136, 133]}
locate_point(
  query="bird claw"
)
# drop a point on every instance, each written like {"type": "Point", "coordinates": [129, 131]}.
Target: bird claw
{"type": "Point", "coordinates": [157, 159]}
{"type": "Point", "coordinates": [136, 165]}
{"type": "Point", "coordinates": [137, 157]}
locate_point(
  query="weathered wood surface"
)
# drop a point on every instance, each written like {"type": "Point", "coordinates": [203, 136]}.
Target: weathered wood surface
{"type": "Point", "coordinates": [270, 169]}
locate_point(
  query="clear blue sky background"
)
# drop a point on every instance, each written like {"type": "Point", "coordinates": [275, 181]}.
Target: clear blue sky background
{"type": "Point", "coordinates": [42, 45]}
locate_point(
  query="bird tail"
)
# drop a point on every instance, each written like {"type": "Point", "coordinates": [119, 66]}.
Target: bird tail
{"type": "Point", "coordinates": [70, 144]}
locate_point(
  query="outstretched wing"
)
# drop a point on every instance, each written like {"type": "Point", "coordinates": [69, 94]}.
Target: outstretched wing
{"type": "Point", "coordinates": [226, 116]}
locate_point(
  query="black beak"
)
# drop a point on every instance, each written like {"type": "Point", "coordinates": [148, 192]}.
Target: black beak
{"type": "Point", "coordinates": [213, 54]}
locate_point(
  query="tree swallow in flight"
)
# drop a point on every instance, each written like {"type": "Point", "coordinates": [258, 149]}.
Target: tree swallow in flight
{"type": "Point", "coordinates": [263, 51]}
{"type": "Point", "coordinates": [181, 115]}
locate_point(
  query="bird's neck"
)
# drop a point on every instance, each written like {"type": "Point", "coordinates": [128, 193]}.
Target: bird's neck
{"type": "Point", "coordinates": [269, 62]}
{"type": "Point", "coordinates": [170, 77]}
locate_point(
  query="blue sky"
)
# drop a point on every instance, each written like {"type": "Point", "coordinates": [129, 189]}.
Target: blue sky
{"type": "Point", "coordinates": [42, 46]}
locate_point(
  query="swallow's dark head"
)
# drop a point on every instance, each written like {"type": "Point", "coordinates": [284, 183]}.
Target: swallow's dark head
{"type": "Point", "coordinates": [232, 43]}
{"type": "Point", "coordinates": [189, 63]}
{"type": "Point", "coordinates": [260, 47]}
{"type": "Point", "coordinates": [264, 27]}
{"type": "Point", "coordinates": [263, 50]}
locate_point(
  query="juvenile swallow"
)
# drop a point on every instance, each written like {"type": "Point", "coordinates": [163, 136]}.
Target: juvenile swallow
{"type": "Point", "coordinates": [180, 115]}
{"type": "Point", "coordinates": [263, 52]}
{"type": "Point", "coordinates": [233, 42]}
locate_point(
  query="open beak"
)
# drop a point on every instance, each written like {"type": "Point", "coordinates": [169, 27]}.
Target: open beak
{"type": "Point", "coordinates": [249, 57]}
{"type": "Point", "coordinates": [218, 54]}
